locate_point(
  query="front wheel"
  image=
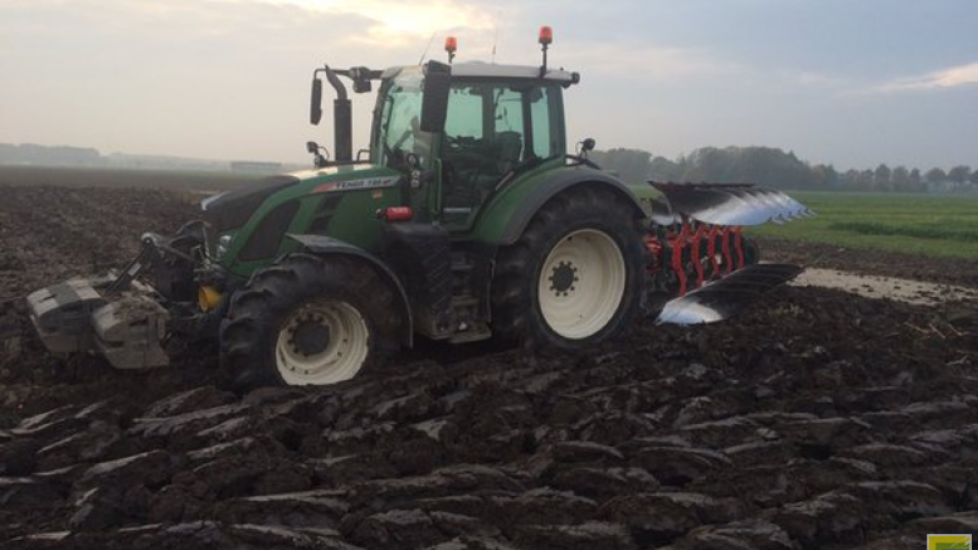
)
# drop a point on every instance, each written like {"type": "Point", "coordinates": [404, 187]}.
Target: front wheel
{"type": "Point", "coordinates": [576, 276]}
{"type": "Point", "coordinates": [309, 321]}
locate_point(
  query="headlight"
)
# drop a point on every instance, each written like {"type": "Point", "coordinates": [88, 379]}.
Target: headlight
{"type": "Point", "coordinates": [223, 244]}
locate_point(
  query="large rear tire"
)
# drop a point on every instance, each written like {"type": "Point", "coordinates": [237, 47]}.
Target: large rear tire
{"type": "Point", "coordinates": [309, 321]}
{"type": "Point", "coordinates": [576, 276]}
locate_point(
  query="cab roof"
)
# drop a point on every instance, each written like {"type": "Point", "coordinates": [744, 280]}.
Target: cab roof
{"type": "Point", "coordinates": [480, 69]}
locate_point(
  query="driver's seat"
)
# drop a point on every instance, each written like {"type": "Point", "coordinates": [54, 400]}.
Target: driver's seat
{"type": "Point", "coordinates": [509, 146]}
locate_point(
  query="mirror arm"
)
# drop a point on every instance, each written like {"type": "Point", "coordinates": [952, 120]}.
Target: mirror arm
{"type": "Point", "coordinates": [335, 82]}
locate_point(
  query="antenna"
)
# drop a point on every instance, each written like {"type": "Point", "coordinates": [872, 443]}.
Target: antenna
{"type": "Point", "coordinates": [495, 35]}
{"type": "Point", "coordinates": [428, 47]}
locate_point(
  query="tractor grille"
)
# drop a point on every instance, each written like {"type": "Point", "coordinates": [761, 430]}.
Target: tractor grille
{"type": "Point", "coordinates": [233, 209]}
{"type": "Point", "coordinates": [266, 238]}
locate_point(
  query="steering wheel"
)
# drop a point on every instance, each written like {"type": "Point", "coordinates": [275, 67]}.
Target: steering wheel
{"type": "Point", "coordinates": [400, 141]}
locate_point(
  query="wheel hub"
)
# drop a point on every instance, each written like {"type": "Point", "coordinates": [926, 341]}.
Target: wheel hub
{"type": "Point", "coordinates": [324, 342]}
{"type": "Point", "coordinates": [311, 337]}
{"type": "Point", "coordinates": [562, 278]}
{"type": "Point", "coordinates": [581, 284]}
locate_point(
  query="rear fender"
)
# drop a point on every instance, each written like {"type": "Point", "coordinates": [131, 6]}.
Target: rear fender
{"type": "Point", "coordinates": [327, 246]}
{"type": "Point", "coordinates": [507, 216]}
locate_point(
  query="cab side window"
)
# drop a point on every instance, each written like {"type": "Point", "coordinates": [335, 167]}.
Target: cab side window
{"type": "Point", "coordinates": [491, 130]}
{"type": "Point", "coordinates": [546, 141]}
{"type": "Point", "coordinates": [464, 114]}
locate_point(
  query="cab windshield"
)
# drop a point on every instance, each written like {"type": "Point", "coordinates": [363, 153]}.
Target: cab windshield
{"type": "Point", "coordinates": [398, 130]}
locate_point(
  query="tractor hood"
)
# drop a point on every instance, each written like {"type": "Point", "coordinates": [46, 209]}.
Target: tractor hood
{"type": "Point", "coordinates": [249, 208]}
{"type": "Point", "coordinates": [231, 209]}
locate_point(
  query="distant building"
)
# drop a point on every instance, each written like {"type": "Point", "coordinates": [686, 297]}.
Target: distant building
{"type": "Point", "coordinates": [29, 154]}
{"type": "Point", "coordinates": [256, 167]}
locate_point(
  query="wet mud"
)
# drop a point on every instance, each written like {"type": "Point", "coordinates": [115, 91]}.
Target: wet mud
{"type": "Point", "coordinates": [817, 419]}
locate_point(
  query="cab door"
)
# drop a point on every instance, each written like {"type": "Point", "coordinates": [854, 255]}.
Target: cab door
{"type": "Point", "coordinates": [492, 130]}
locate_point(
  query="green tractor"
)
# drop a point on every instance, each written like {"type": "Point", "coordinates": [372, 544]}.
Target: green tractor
{"type": "Point", "coordinates": [465, 220]}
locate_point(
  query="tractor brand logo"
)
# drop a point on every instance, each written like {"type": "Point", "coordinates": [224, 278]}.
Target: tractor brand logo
{"type": "Point", "coordinates": [948, 542]}
{"type": "Point", "coordinates": [365, 183]}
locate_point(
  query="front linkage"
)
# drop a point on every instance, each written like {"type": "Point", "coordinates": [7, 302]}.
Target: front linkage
{"type": "Point", "coordinates": [116, 315]}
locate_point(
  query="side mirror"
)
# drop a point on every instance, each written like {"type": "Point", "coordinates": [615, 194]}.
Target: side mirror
{"type": "Point", "coordinates": [361, 80]}
{"type": "Point", "coordinates": [316, 108]}
{"type": "Point", "coordinates": [587, 145]}
{"type": "Point", "coordinates": [312, 147]}
{"type": "Point", "coordinates": [434, 104]}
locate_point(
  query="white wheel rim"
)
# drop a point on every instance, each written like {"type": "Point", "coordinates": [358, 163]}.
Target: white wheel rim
{"type": "Point", "coordinates": [342, 354]}
{"type": "Point", "coordinates": [581, 284]}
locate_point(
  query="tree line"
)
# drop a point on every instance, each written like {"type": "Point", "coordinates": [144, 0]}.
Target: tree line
{"type": "Point", "coordinates": [774, 167]}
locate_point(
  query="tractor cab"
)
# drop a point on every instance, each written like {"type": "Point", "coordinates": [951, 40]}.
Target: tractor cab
{"type": "Point", "coordinates": [500, 121]}
{"type": "Point", "coordinates": [460, 132]}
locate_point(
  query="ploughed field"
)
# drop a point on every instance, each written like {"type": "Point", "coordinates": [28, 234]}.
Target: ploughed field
{"type": "Point", "coordinates": [817, 419]}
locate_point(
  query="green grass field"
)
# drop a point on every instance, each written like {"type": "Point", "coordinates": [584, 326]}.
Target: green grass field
{"type": "Point", "coordinates": [934, 225]}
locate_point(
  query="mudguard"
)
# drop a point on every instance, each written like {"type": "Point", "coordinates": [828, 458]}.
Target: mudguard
{"type": "Point", "coordinates": [321, 245]}
{"type": "Point", "coordinates": [507, 215]}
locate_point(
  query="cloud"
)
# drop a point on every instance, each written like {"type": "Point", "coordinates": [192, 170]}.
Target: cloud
{"type": "Point", "coordinates": [813, 79]}
{"type": "Point", "coordinates": [396, 22]}
{"type": "Point", "coordinates": [954, 77]}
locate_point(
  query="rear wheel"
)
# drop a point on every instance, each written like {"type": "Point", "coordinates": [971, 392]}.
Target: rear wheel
{"type": "Point", "coordinates": [581, 283]}
{"type": "Point", "coordinates": [575, 277]}
{"type": "Point", "coordinates": [309, 321]}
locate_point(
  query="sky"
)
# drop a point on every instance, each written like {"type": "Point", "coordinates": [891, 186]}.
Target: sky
{"type": "Point", "coordinates": [849, 82]}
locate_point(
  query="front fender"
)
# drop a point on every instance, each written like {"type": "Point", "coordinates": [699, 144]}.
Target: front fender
{"type": "Point", "coordinates": [508, 214]}
{"type": "Point", "coordinates": [321, 245]}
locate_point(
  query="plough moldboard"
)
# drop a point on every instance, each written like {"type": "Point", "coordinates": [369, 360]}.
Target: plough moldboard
{"type": "Point", "coordinates": [698, 255]}
{"type": "Point", "coordinates": [727, 204]}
